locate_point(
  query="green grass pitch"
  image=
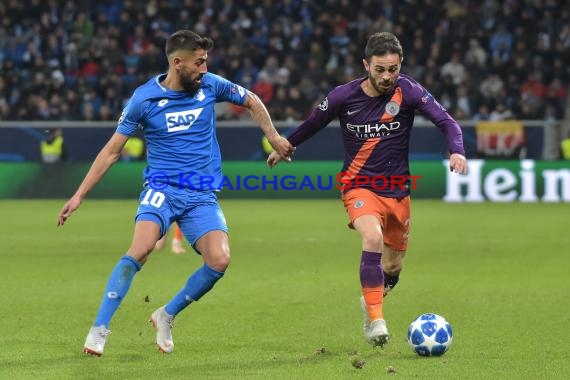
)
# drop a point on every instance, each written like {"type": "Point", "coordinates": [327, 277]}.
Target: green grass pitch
{"type": "Point", "coordinates": [288, 305]}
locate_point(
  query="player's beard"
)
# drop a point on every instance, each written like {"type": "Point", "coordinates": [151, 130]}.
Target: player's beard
{"type": "Point", "coordinates": [383, 88]}
{"type": "Point", "coordinates": [189, 84]}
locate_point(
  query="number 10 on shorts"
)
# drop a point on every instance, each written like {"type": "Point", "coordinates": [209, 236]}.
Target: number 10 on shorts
{"type": "Point", "coordinates": [153, 198]}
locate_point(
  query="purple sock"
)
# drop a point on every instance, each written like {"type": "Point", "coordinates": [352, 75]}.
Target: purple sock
{"type": "Point", "coordinates": [371, 273]}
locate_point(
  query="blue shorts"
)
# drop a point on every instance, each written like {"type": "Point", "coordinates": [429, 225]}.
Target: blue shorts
{"type": "Point", "coordinates": [196, 212]}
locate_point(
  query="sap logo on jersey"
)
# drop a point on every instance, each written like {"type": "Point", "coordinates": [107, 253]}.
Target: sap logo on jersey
{"type": "Point", "coordinates": [180, 121]}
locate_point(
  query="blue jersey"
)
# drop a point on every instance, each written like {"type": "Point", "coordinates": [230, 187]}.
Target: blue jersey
{"type": "Point", "coordinates": [180, 130]}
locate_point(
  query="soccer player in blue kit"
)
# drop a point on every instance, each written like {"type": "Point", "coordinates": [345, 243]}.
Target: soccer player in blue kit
{"type": "Point", "coordinates": [176, 113]}
{"type": "Point", "coordinates": [376, 115]}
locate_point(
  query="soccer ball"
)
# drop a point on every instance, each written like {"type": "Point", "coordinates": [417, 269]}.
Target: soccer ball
{"type": "Point", "coordinates": [430, 335]}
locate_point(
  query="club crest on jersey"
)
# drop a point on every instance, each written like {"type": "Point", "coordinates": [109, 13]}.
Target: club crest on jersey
{"type": "Point", "coordinates": [180, 121]}
{"type": "Point", "coordinates": [324, 105]}
{"type": "Point", "coordinates": [358, 204]}
{"type": "Point", "coordinates": [392, 108]}
{"type": "Point", "coordinates": [200, 95]}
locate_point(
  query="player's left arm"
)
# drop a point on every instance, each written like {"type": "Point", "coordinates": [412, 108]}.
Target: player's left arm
{"type": "Point", "coordinates": [259, 113]}
{"type": "Point", "coordinates": [454, 136]}
{"type": "Point", "coordinates": [438, 115]}
{"type": "Point", "coordinates": [458, 163]}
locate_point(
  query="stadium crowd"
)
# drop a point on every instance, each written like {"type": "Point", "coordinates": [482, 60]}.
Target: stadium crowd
{"type": "Point", "coordinates": [484, 59]}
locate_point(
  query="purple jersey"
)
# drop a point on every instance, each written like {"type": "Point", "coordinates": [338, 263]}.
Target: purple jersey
{"type": "Point", "coordinates": [376, 132]}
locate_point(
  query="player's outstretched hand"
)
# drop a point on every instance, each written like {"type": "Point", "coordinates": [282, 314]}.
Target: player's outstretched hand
{"type": "Point", "coordinates": [282, 146]}
{"type": "Point", "coordinates": [458, 163]}
{"type": "Point", "coordinates": [68, 208]}
{"type": "Point", "coordinates": [273, 159]}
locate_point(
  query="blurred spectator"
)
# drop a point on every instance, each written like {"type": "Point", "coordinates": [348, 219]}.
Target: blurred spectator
{"type": "Point", "coordinates": [138, 44]}
{"type": "Point", "coordinates": [482, 114]}
{"type": "Point", "coordinates": [382, 23]}
{"type": "Point", "coordinates": [271, 69]}
{"type": "Point", "coordinates": [491, 87]}
{"type": "Point", "coordinates": [464, 103]}
{"type": "Point", "coordinates": [533, 92]}
{"type": "Point", "coordinates": [83, 26]}
{"type": "Point", "coordinates": [501, 43]}
{"type": "Point", "coordinates": [412, 67]}
{"type": "Point", "coordinates": [69, 52]}
{"type": "Point", "coordinates": [263, 88]}
{"type": "Point", "coordinates": [528, 111]}
{"type": "Point", "coordinates": [4, 100]}
{"type": "Point", "coordinates": [279, 103]}
{"type": "Point", "coordinates": [476, 56]}
{"type": "Point", "coordinates": [556, 95]}
{"type": "Point", "coordinates": [53, 148]}
{"type": "Point", "coordinates": [501, 113]}
{"type": "Point", "coordinates": [454, 69]}
{"type": "Point", "coordinates": [296, 105]}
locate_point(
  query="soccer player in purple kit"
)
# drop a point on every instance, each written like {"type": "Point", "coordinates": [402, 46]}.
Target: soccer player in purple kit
{"type": "Point", "coordinates": [376, 115]}
{"type": "Point", "coordinates": [176, 113]}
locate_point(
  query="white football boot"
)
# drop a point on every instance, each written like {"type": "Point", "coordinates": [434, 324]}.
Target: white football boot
{"type": "Point", "coordinates": [375, 332]}
{"type": "Point", "coordinates": [95, 342]}
{"type": "Point", "coordinates": [163, 322]}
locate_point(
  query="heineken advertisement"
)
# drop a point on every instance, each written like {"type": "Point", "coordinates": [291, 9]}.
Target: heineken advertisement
{"type": "Point", "coordinates": [510, 181]}
{"type": "Point", "coordinates": [494, 181]}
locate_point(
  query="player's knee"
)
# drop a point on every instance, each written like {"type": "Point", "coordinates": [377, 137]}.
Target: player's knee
{"type": "Point", "coordinates": [372, 241]}
{"type": "Point", "coordinates": [220, 260]}
{"type": "Point", "coordinates": [220, 263]}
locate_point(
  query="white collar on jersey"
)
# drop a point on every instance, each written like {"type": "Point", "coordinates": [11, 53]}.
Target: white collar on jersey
{"type": "Point", "coordinates": [157, 80]}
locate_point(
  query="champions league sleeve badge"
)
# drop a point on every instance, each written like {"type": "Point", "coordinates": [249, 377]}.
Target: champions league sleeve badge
{"type": "Point", "coordinates": [392, 108]}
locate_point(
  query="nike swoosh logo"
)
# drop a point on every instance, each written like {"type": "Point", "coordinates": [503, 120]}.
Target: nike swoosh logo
{"type": "Point", "coordinates": [351, 112]}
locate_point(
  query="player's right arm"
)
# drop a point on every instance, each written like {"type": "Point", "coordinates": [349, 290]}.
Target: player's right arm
{"type": "Point", "coordinates": [110, 153]}
{"type": "Point", "coordinates": [132, 115]}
